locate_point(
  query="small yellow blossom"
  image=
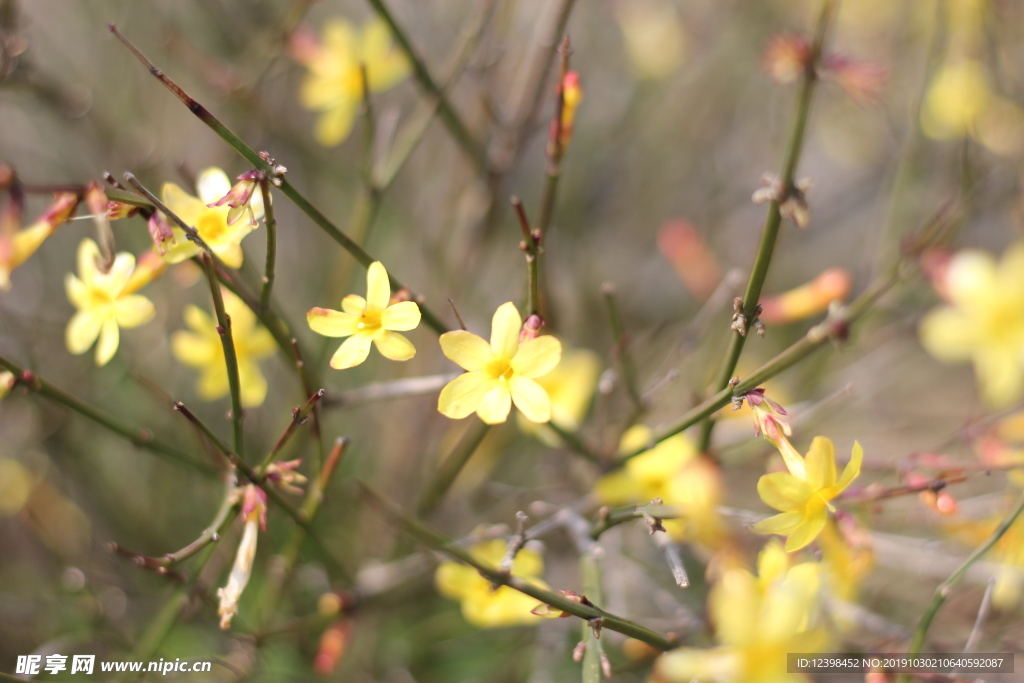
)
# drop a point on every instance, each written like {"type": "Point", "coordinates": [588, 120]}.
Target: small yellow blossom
{"type": "Point", "coordinates": [675, 472]}
{"type": "Point", "coordinates": [803, 494]}
{"type": "Point", "coordinates": [17, 246]}
{"type": "Point", "coordinates": [105, 302]}
{"type": "Point", "coordinates": [984, 322]}
{"type": "Point", "coordinates": [570, 386]}
{"type": "Point", "coordinates": [482, 605]}
{"type": "Point", "coordinates": [500, 373]}
{"type": "Point", "coordinates": [209, 220]}
{"type": "Point", "coordinates": [201, 348]}
{"type": "Point", "coordinates": [334, 85]}
{"type": "Point", "coordinates": [758, 621]}
{"type": "Point", "coordinates": [7, 382]}
{"type": "Point", "coordinates": [373, 319]}
{"type": "Point", "coordinates": [958, 96]}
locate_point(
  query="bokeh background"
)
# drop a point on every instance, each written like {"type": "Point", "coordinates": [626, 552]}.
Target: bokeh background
{"type": "Point", "coordinates": [678, 123]}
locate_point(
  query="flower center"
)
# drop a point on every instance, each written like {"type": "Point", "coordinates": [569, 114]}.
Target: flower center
{"type": "Point", "coordinates": [212, 225]}
{"type": "Point", "coordinates": [369, 322]}
{"type": "Point", "coordinates": [499, 369]}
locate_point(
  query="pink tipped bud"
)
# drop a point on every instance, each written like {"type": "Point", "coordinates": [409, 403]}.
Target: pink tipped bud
{"type": "Point", "coordinates": [148, 267]}
{"type": "Point", "coordinates": [531, 328]}
{"type": "Point", "coordinates": [334, 643]}
{"type": "Point", "coordinates": [160, 231]}
{"type": "Point", "coordinates": [254, 505]}
{"type": "Point", "coordinates": [239, 197]}
{"type": "Point", "coordinates": [283, 473]}
{"type": "Point", "coordinates": [570, 95]}
{"type": "Point", "coordinates": [809, 299]}
{"type": "Point", "coordinates": [786, 58]}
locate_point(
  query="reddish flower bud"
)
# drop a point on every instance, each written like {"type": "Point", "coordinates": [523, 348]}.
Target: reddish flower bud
{"type": "Point", "coordinates": [334, 643]}
{"type": "Point", "coordinates": [786, 58]}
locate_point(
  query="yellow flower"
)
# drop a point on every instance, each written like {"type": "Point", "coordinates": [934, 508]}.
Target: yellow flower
{"type": "Point", "coordinates": [846, 557]}
{"type": "Point", "coordinates": [956, 99]}
{"type": "Point", "coordinates": [758, 621]}
{"type": "Point", "coordinates": [211, 222]}
{"type": "Point", "coordinates": [482, 605]}
{"type": "Point", "coordinates": [500, 373]}
{"type": "Point", "coordinates": [570, 386]}
{"type": "Point", "coordinates": [804, 493]}
{"type": "Point", "coordinates": [334, 84]}
{"type": "Point", "coordinates": [373, 319]}
{"type": "Point", "coordinates": [202, 349]}
{"type": "Point", "coordinates": [105, 303]}
{"type": "Point", "coordinates": [17, 247]}
{"type": "Point", "coordinates": [675, 472]}
{"type": "Point", "coordinates": [985, 321]}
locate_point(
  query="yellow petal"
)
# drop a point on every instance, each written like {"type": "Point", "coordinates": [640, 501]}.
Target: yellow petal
{"type": "Point", "coordinates": [495, 405]}
{"type": "Point", "coordinates": [212, 184]}
{"type": "Point", "coordinates": [537, 357]}
{"type": "Point", "coordinates": [194, 350]}
{"type": "Point", "coordinates": [972, 280]}
{"type": "Point", "coordinates": [213, 382]}
{"type": "Point", "coordinates": [132, 311]}
{"type": "Point", "coordinates": [199, 320]}
{"type": "Point", "coordinates": [354, 304]}
{"type": "Point", "coordinates": [378, 287]}
{"type": "Point", "coordinates": [88, 256]}
{"type": "Point", "coordinates": [401, 317]}
{"type": "Point", "coordinates": [852, 469]}
{"type": "Point", "coordinates": [82, 330]}
{"type": "Point", "coordinates": [110, 337]}
{"type": "Point", "coordinates": [948, 334]}
{"type": "Point", "coordinates": [394, 346]}
{"type": "Point", "coordinates": [781, 524]}
{"type": "Point", "coordinates": [231, 254]}
{"type": "Point", "coordinates": [78, 293]}
{"type": "Point", "coordinates": [385, 65]}
{"type": "Point", "coordinates": [505, 327]}
{"type": "Point", "coordinates": [334, 125]}
{"type": "Point", "coordinates": [462, 395]}
{"type": "Point", "coordinates": [821, 463]}
{"type": "Point", "coordinates": [808, 529]}
{"type": "Point", "coordinates": [783, 491]}
{"type": "Point", "coordinates": [617, 488]}
{"type": "Point", "coordinates": [466, 349]}
{"type": "Point", "coordinates": [530, 398]}
{"type": "Point", "coordinates": [452, 579]}
{"type": "Point", "coordinates": [332, 323]}
{"type": "Point", "coordinates": [352, 352]}
{"type": "Point", "coordinates": [181, 250]}
{"type": "Point", "coordinates": [1000, 373]}
{"type": "Point", "coordinates": [184, 205]}
{"type": "Point", "coordinates": [27, 242]}
{"type": "Point", "coordinates": [252, 383]}
{"type": "Point", "coordinates": [259, 343]}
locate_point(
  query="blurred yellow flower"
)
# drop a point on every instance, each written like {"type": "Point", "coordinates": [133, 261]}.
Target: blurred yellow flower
{"type": "Point", "coordinates": [105, 303]}
{"type": "Point", "coordinates": [758, 621]}
{"type": "Point", "coordinates": [804, 493]}
{"type": "Point", "coordinates": [984, 322]}
{"type": "Point", "coordinates": [958, 96]}
{"type": "Point", "coordinates": [656, 42]}
{"type": "Point", "coordinates": [674, 471]}
{"type": "Point", "coordinates": [846, 557]}
{"type": "Point", "coordinates": [1008, 553]}
{"type": "Point", "coordinates": [17, 246]}
{"type": "Point", "coordinates": [7, 382]}
{"type": "Point", "coordinates": [570, 386]}
{"type": "Point", "coordinates": [209, 220]}
{"type": "Point", "coordinates": [500, 373]}
{"type": "Point", "coordinates": [373, 319]}
{"type": "Point", "coordinates": [201, 348]}
{"type": "Point", "coordinates": [482, 604]}
{"type": "Point", "coordinates": [334, 84]}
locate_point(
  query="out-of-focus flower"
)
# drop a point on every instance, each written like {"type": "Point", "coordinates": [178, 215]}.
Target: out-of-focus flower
{"type": "Point", "coordinates": [685, 248]}
{"type": "Point", "coordinates": [209, 220]}
{"type": "Point", "coordinates": [956, 99]}
{"type": "Point", "coordinates": [499, 373]}
{"type": "Point", "coordinates": [656, 41]}
{"type": "Point", "coordinates": [570, 386]}
{"type": "Point", "coordinates": [105, 303]}
{"type": "Point", "coordinates": [334, 645]}
{"type": "Point", "coordinates": [786, 57]}
{"type": "Point", "coordinates": [16, 246]}
{"type": "Point", "coordinates": [240, 198]}
{"type": "Point", "coordinates": [16, 484]}
{"type": "Point", "coordinates": [254, 514]}
{"type": "Point", "coordinates": [808, 299]}
{"type": "Point", "coordinates": [1008, 552]}
{"type": "Point", "coordinates": [861, 80]}
{"type": "Point", "coordinates": [984, 322]}
{"type": "Point", "coordinates": [334, 84]}
{"type": "Point", "coordinates": [1000, 447]}
{"type": "Point", "coordinates": [676, 473]}
{"type": "Point", "coordinates": [7, 382]}
{"type": "Point", "coordinates": [846, 557]}
{"type": "Point", "coordinates": [758, 621]}
{"type": "Point", "coordinates": [373, 319]}
{"type": "Point", "coordinates": [202, 349]}
{"type": "Point", "coordinates": [482, 604]}
{"type": "Point", "coordinates": [804, 493]}
{"type": "Point", "coordinates": [571, 94]}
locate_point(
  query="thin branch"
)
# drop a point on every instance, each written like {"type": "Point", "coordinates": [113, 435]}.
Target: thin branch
{"type": "Point", "coordinates": [380, 391]}
{"type": "Point", "coordinates": [621, 349]}
{"type": "Point", "coordinates": [230, 358]}
{"type": "Point", "coordinates": [299, 416]}
{"type": "Point", "coordinates": [142, 438]}
{"type": "Point", "coordinates": [270, 222]}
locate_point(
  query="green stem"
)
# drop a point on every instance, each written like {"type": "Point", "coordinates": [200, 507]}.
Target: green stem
{"type": "Point", "coordinates": [531, 248]}
{"type": "Point", "coordinates": [299, 417]}
{"type": "Point", "coordinates": [774, 218]}
{"type": "Point", "coordinates": [441, 543]}
{"type": "Point", "coordinates": [270, 222]}
{"type": "Point", "coordinates": [622, 347]}
{"type": "Point", "coordinates": [275, 173]}
{"type": "Point", "coordinates": [473, 148]}
{"type": "Point", "coordinates": [230, 358]}
{"type": "Point", "coordinates": [947, 586]}
{"type": "Point", "coordinates": [452, 465]}
{"type": "Point", "coordinates": [139, 437]}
